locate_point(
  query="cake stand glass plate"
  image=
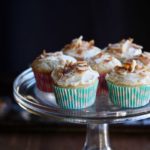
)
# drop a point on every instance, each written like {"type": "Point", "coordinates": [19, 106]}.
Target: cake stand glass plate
{"type": "Point", "coordinates": [97, 117]}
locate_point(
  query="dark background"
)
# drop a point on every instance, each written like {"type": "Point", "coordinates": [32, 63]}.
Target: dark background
{"type": "Point", "coordinates": [28, 26]}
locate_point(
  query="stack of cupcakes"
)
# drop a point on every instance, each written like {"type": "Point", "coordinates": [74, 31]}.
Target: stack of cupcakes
{"type": "Point", "coordinates": [79, 72]}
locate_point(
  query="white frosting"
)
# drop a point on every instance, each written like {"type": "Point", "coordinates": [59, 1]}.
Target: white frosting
{"type": "Point", "coordinates": [125, 49]}
{"type": "Point", "coordinates": [104, 62]}
{"type": "Point", "coordinates": [74, 78]}
{"type": "Point", "coordinates": [146, 54]}
{"type": "Point", "coordinates": [130, 78]}
{"type": "Point", "coordinates": [131, 52]}
{"type": "Point", "coordinates": [88, 53]}
{"type": "Point", "coordinates": [87, 50]}
{"type": "Point", "coordinates": [52, 60]}
{"type": "Point", "coordinates": [142, 59]}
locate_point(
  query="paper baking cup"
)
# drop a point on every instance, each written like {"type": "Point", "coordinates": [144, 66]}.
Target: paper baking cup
{"type": "Point", "coordinates": [127, 96]}
{"type": "Point", "coordinates": [44, 81]}
{"type": "Point", "coordinates": [76, 98]}
{"type": "Point", "coordinates": [102, 86]}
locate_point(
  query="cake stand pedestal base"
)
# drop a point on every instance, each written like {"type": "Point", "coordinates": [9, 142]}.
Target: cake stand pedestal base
{"type": "Point", "coordinates": [97, 137]}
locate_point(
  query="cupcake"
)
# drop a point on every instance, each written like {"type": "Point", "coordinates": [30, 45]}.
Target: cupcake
{"type": "Point", "coordinates": [142, 60]}
{"type": "Point", "coordinates": [75, 85]}
{"type": "Point", "coordinates": [125, 49]}
{"type": "Point", "coordinates": [80, 49]}
{"type": "Point", "coordinates": [103, 63]}
{"type": "Point", "coordinates": [129, 85]}
{"type": "Point", "coordinates": [43, 65]}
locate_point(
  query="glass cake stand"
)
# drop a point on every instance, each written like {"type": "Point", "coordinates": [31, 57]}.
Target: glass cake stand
{"type": "Point", "coordinates": [97, 117]}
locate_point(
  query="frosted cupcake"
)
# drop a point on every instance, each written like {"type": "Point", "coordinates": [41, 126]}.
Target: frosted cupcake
{"type": "Point", "coordinates": [75, 85]}
{"type": "Point", "coordinates": [142, 60]}
{"type": "Point", "coordinates": [103, 63]}
{"type": "Point", "coordinates": [129, 85]}
{"type": "Point", "coordinates": [125, 49]}
{"type": "Point", "coordinates": [80, 49]}
{"type": "Point", "coordinates": [43, 65]}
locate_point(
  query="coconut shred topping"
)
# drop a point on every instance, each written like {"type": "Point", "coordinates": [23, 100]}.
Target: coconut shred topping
{"type": "Point", "coordinates": [142, 59]}
{"type": "Point", "coordinates": [81, 49]}
{"type": "Point", "coordinates": [130, 74]}
{"type": "Point", "coordinates": [49, 61]}
{"type": "Point", "coordinates": [104, 62]}
{"type": "Point", "coordinates": [74, 74]}
{"type": "Point", "coordinates": [124, 49]}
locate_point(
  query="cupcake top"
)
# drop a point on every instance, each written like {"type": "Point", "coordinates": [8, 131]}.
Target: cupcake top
{"type": "Point", "coordinates": [46, 62]}
{"type": "Point", "coordinates": [103, 62]}
{"type": "Point", "coordinates": [74, 75]}
{"type": "Point", "coordinates": [80, 49]}
{"type": "Point", "coordinates": [124, 49]}
{"type": "Point", "coordinates": [142, 59]}
{"type": "Point", "coordinates": [130, 74]}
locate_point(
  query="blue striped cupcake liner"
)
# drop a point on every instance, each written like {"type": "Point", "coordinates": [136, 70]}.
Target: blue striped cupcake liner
{"type": "Point", "coordinates": [127, 96]}
{"type": "Point", "coordinates": [75, 98]}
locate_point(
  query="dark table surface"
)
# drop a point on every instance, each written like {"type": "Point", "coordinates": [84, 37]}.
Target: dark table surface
{"type": "Point", "coordinates": [71, 137]}
{"type": "Point", "coordinates": [20, 130]}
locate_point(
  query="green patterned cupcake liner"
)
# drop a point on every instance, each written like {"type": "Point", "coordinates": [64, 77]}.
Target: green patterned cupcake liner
{"type": "Point", "coordinates": [127, 96]}
{"type": "Point", "coordinates": [75, 98]}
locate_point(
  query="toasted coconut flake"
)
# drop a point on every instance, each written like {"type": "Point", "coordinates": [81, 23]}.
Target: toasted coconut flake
{"type": "Point", "coordinates": [145, 59]}
{"type": "Point", "coordinates": [79, 41]}
{"type": "Point", "coordinates": [123, 46]}
{"type": "Point", "coordinates": [79, 66]}
{"type": "Point", "coordinates": [45, 54]}
{"type": "Point", "coordinates": [81, 63]}
{"type": "Point", "coordinates": [99, 55]}
{"type": "Point", "coordinates": [107, 60]}
{"type": "Point", "coordinates": [79, 45]}
{"type": "Point", "coordinates": [79, 51]}
{"type": "Point", "coordinates": [130, 39]}
{"type": "Point", "coordinates": [133, 65]}
{"type": "Point", "coordinates": [91, 43]}
{"type": "Point", "coordinates": [137, 46]}
{"type": "Point", "coordinates": [82, 68]}
{"type": "Point", "coordinates": [128, 67]}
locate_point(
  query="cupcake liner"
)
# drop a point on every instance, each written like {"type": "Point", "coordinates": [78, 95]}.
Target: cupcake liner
{"type": "Point", "coordinates": [44, 81]}
{"type": "Point", "coordinates": [102, 87]}
{"type": "Point", "coordinates": [129, 97]}
{"type": "Point", "coordinates": [75, 98]}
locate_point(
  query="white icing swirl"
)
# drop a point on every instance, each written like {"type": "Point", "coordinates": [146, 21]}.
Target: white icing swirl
{"type": "Point", "coordinates": [103, 62]}
{"type": "Point", "coordinates": [81, 49]}
{"type": "Point", "coordinates": [75, 76]}
{"type": "Point", "coordinates": [125, 49]}
{"type": "Point", "coordinates": [130, 76]}
{"type": "Point", "coordinates": [49, 61]}
{"type": "Point", "coordinates": [142, 60]}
